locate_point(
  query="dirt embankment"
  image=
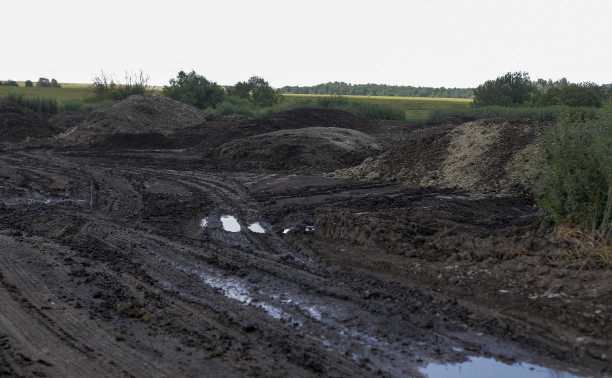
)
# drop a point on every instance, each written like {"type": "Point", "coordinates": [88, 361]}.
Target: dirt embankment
{"type": "Point", "coordinates": [487, 155]}
{"type": "Point", "coordinates": [18, 123]}
{"type": "Point", "coordinates": [134, 115]}
{"type": "Point", "coordinates": [310, 149]}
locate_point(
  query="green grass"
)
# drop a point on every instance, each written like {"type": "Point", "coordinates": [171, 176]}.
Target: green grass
{"type": "Point", "coordinates": [68, 92]}
{"type": "Point", "coordinates": [415, 108]}
{"type": "Point", "coordinates": [547, 113]}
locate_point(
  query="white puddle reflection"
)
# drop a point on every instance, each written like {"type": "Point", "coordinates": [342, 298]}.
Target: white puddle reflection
{"type": "Point", "coordinates": [256, 227]}
{"type": "Point", "coordinates": [286, 230]}
{"type": "Point", "coordinates": [204, 223]}
{"type": "Point", "coordinates": [230, 223]}
{"type": "Point", "coordinates": [489, 367]}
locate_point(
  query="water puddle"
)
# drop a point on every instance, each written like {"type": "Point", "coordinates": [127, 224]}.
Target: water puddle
{"type": "Point", "coordinates": [489, 367]}
{"type": "Point", "coordinates": [230, 223]}
{"type": "Point", "coordinates": [286, 230]}
{"type": "Point", "coordinates": [256, 227]}
{"type": "Point", "coordinates": [204, 223]}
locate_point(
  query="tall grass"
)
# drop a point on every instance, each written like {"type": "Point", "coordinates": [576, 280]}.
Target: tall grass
{"type": "Point", "coordinates": [37, 104]}
{"type": "Point", "coordinates": [364, 108]}
{"type": "Point", "coordinates": [548, 113]}
{"type": "Point", "coordinates": [78, 105]}
{"type": "Point", "coordinates": [573, 181]}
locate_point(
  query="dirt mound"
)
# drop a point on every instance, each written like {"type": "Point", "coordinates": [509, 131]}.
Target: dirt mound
{"type": "Point", "coordinates": [135, 115]}
{"type": "Point", "coordinates": [306, 149]}
{"type": "Point", "coordinates": [486, 155]}
{"type": "Point", "coordinates": [66, 120]}
{"type": "Point", "coordinates": [18, 123]}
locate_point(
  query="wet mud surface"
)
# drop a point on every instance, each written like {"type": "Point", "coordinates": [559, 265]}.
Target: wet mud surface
{"type": "Point", "coordinates": [153, 264]}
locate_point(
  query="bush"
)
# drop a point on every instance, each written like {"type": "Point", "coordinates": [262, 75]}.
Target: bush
{"type": "Point", "coordinates": [549, 113]}
{"type": "Point", "coordinates": [195, 90]}
{"type": "Point", "coordinates": [573, 180]}
{"type": "Point", "coordinates": [571, 95]}
{"type": "Point", "coordinates": [106, 88]}
{"type": "Point", "coordinates": [257, 90]}
{"type": "Point", "coordinates": [55, 84]}
{"type": "Point", "coordinates": [29, 84]}
{"type": "Point", "coordinates": [37, 104]}
{"type": "Point", "coordinates": [43, 82]}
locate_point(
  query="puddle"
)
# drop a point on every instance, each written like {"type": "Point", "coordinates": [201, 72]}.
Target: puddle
{"type": "Point", "coordinates": [286, 230]}
{"type": "Point", "coordinates": [309, 228]}
{"type": "Point", "coordinates": [230, 223]}
{"type": "Point", "coordinates": [256, 227]}
{"type": "Point", "coordinates": [204, 223]}
{"type": "Point", "coordinates": [489, 367]}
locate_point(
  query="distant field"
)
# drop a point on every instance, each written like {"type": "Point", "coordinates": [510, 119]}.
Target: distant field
{"type": "Point", "coordinates": [416, 108]}
{"type": "Point", "coordinates": [66, 93]}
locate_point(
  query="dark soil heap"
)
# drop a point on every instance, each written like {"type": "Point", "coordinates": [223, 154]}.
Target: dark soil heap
{"type": "Point", "coordinates": [18, 123]}
{"type": "Point", "coordinates": [135, 115]}
{"type": "Point", "coordinates": [486, 155]}
{"type": "Point", "coordinates": [66, 120]}
{"type": "Point", "coordinates": [310, 149]}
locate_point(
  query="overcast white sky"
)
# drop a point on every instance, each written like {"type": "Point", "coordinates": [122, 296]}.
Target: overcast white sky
{"type": "Point", "coordinates": [452, 43]}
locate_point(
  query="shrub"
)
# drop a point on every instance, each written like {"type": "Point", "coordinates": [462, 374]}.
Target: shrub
{"type": "Point", "coordinates": [195, 90]}
{"type": "Point", "coordinates": [570, 95]}
{"type": "Point", "coordinates": [257, 90]}
{"type": "Point", "coordinates": [55, 84]}
{"type": "Point", "coordinates": [37, 104]}
{"type": "Point", "coordinates": [29, 84]}
{"type": "Point", "coordinates": [106, 88]}
{"type": "Point", "coordinates": [573, 180]}
{"type": "Point", "coordinates": [43, 82]}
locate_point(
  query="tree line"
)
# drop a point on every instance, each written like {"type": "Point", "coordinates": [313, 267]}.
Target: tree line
{"type": "Point", "coordinates": [342, 88]}
{"type": "Point", "coordinates": [517, 89]}
{"type": "Point", "coordinates": [42, 82]}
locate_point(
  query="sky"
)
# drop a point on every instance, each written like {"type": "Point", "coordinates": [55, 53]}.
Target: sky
{"type": "Point", "coordinates": [450, 43]}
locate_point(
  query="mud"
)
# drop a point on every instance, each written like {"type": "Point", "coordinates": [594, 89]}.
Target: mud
{"type": "Point", "coordinates": [141, 257]}
{"type": "Point", "coordinates": [18, 124]}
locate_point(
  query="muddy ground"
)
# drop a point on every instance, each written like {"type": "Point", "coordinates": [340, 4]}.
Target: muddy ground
{"type": "Point", "coordinates": [116, 260]}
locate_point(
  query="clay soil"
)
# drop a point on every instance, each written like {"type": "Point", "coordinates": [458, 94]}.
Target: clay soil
{"type": "Point", "coordinates": [114, 261]}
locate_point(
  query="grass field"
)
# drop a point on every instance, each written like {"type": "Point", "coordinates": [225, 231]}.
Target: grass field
{"type": "Point", "coordinates": [416, 108]}
{"type": "Point", "coordinates": [68, 92]}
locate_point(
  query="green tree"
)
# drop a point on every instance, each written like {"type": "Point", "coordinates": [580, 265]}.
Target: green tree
{"type": "Point", "coordinates": [570, 95]}
{"type": "Point", "coordinates": [195, 90]}
{"type": "Point", "coordinates": [43, 82]}
{"type": "Point", "coordinates": [257, 90]}
{"type": "Point", "coordinates": [55, 84]}
{"type": "Point", "coordinates": [29, 83]}
{"type": "Point", "coordinates": [512, 89]}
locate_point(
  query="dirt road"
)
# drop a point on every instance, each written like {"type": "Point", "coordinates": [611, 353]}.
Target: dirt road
{"type": "Point", "coordinates": [150, 264]}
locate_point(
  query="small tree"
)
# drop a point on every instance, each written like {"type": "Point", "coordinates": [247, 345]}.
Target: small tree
{"type": "Point", "coordinates": [512, 89]}
{"type": "Point", "coordinates": [43, 82]}
{"type": "Point", "coordinates": [195, 90]}
{"type": "Point", "coordinates": [29, 84]}
{"type": "Point", "coordinates": [10, 83]}
{"type": "Point", "coordinates": [55, 84]}
{"type": "Point", "coordinates": [257, 90]}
